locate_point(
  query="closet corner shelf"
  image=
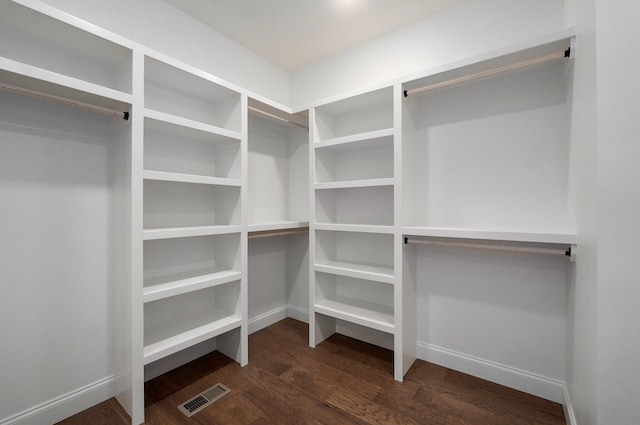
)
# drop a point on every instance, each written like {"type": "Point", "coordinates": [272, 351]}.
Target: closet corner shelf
{"type": "Point", "coordinates": [189, 178]}
{"type": "Point", "coordinates": [189, 231]}
{"type": "Point", "coordinates": [281, 225]}
{"type": "Point", "coordinates": [509, 235]}
{"type": "Point", "coordinates": [41, 80]}
{"type": "Point", "coordinates": [354, 138]}
{"type": "Point", "coordinates": [169, 338]}
{"type": "Point", "coordinates": [389, 181]}
{"type": "Point", "coordinates": [183, 286]}
{"type": "Point", "coordinates": [355, 270]}
{"type": "Point", "coordinates": [363, 228]}
{"type": "Point", "coordinates": [196, 125]}
{"type": "Point", "coordinates": [358, 312]}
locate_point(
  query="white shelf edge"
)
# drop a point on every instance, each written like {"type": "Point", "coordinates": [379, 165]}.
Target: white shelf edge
{"type": "Point", "coordinates": [175, 343]}
{"type": "Point", "coordinates": [378, 274]}
{"type": "Point", "coordinates": [358, 315]}
{"type": "Point", "coordinates": [183, 286]}
{"type": "Point", "coordinates": [281, 225]}
{"type": "Point", "coordinates": [189, 178]}
{"type": "Point", "coordinates": [188, 231]}
{"type": "Point", "coordinates": [354, 138]}
{"type": "Point", "coordinates": [492, 234]}
{"type": "Point", "coordinates": [187, 123]}
{"type": "Point", "coordinates": [61, 80]}
{"type": "Point", "coordinates": [387, 181]}
{"type": "Point", "coordinates": [363, 228]}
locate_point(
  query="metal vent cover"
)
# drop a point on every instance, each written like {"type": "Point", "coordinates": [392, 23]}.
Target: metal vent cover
{"type": "Point", "coordinates": [202, 400]}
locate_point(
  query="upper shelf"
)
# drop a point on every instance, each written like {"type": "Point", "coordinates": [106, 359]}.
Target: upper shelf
{"type": "Point", "coordinates": [195, 99]}
{"type": "Point", "coordinates": [38, 43]}
{"type": "Point", "coordinates": [356, 118]}
{"type": "Point", "coordinates": [510, 235]}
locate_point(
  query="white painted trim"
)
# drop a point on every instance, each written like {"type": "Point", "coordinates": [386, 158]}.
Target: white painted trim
{"type": "Point", "coordinates": [569, 413]}
{"type": "Point", "coordinates": [66, 405]}
{"type": "Point", "coordinates": [528, 382]}
{"type": "Point", "coordinates": [267, 319]}
{"type": "Point", "coordinates": [298, 313]}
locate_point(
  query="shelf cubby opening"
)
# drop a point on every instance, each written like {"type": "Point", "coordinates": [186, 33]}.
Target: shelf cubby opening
{"type": "Point", "coordinates": [173, 324]}
{"type": "Point", "coordinates": [358, 301]}
{"type": "Point", "coordinates": [364, 113]}
{"type": "Point", "coordinates": [178, 265]}
{"type": "Point", "coordinates": [364, 255]}
{"type": "Point", "coordinates": [176, 149]}
{"type": "Point", "coordinates": [278, 175]}
{"type": "Point", "coordinates": [179, 93]}
{"type": "Point", "coordinates": [359, 206]}
{"type": "Point", "coordinates": [361, 160]}
{"type": "Point", "coordinates": [175, 204]}
{"type": "Point", "coordinates": [491, 155]}
{"type": "Point", "coordinates": [35, 39]}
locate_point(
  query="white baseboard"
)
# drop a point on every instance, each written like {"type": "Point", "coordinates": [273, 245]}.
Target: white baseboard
{"type": "Point", "coordinates": [298, 313]}
{"type": "Point", "coordinates": [267, 319]}
{"type": "Point", "coordinates": [66, 405]}
{"type": "Point", "coordinates": [569, 413]}
{"type": "Point", "coordinates": [528, 382]}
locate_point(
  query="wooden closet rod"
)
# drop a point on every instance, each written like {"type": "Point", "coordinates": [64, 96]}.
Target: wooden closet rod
{"type": "Point", "coordinates": [76, 104]}
{"type": "Point", "coordinates": [508, 248]}
{"type": "Point", "coordinates": [271, 112]}
{"type": "Point", "coordinates": [490, 72]}
{"type": "Point", "coordinates": [284, 232]}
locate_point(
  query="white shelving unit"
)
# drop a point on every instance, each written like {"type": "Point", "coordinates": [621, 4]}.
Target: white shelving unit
{"type": "Point", "coordinates": [355, 278]}
{"type": "Point", "coordinates": [194, 261]}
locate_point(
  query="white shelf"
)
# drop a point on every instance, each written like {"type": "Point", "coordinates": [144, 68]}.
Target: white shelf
{"type": "Point", "coordinates": [356, 270]}
{"type": "Point", "coordinates": [188, 123]}
{"type": "Point", "coordinates": [188, 231]}
{"type": "Point", "coordinates": [514, 235]}
{"type": "Point", "coordinates": [283, 225]}
{"type": "Point", "coordinates": [354, 138]}
{"type": "Point", "coordinates": [363, 228]}
{"type": "Point", "coordinates": [33, 78]}
{"type": "Point", "coordinates": [371, 315]}
{"type": "Point", "coordinates": [389, 181]}
{"type": "Point", "coordinates": [189, 178]}
{"type": "Point", "coordinates": [182, 286]}
{"type": "Point", "coordinates": [168, 338]}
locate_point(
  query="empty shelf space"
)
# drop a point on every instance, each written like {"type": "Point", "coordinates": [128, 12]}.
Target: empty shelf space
{"type": "Point", "coordinates": [179, 285]}
{"type": "Point", "coordinates": [189, 123]}
{"type": "Point", "coordinates": [359, 312]}
{"type": "Point", "coordinates": [355, 183]}
{"type": "Point", "coordinates": [360, 137]}
{"type": "Point", "coordinates": [188, 231]}
{"type": "Point", "coordinates": [168, 338]}
{"type": "Point", "coordinates": [189, 178]}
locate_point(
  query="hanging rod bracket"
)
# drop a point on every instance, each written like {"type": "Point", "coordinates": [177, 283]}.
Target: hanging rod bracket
{"type": "Point", "coordinates": [126, 115]}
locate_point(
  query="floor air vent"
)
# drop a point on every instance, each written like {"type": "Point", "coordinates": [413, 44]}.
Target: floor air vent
{"type": "Point", "coordinates": [203, 399]}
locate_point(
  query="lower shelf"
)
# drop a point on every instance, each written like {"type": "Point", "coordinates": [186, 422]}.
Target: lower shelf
{"type": "Point", "coordinates": [356, 270]}
{"type": "Point", "coordinates": [182, 284]}
{"type": "Point", "coordinates": [168, 338]}
{"type": "Point", "coordinates": [362, 313]}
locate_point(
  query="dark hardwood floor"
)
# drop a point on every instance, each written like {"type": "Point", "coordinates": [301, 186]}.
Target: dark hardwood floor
{"type": "Point", "coordinates": [342, 381]}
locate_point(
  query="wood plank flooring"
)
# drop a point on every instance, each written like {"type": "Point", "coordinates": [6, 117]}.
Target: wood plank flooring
{"type": "Point", "coordinates": [342, 381]}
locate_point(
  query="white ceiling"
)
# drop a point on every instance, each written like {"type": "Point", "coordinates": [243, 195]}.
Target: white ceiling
{"type": "Point", "coordinates": [295, 33]}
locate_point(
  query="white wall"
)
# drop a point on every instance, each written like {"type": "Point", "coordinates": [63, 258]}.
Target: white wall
{"type": "Point", "coordinates": [162, 27]}
{"type": "Point", "coordinates": [581, 308]}
{"type": "Point", "coordinates": [471, 28]}
{"type": "Point", "coordinates": [618, 97]}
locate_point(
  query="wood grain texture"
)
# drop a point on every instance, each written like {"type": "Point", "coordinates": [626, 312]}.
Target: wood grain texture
{"type": "Point", "coordinates": [342, 381]}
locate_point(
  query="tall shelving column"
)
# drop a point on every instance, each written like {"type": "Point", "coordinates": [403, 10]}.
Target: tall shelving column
{"type": "Point", "coordinates": [355, 238]}
{"type": "Point", "coordinates": [194, 254]}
